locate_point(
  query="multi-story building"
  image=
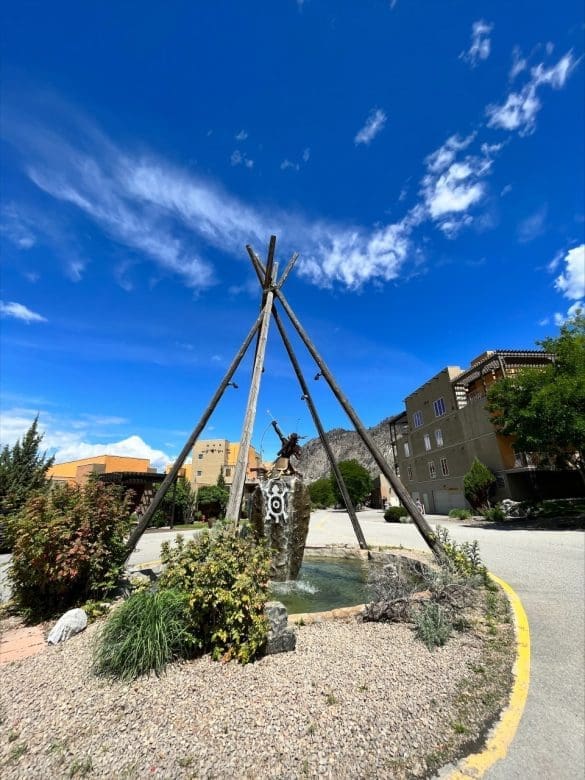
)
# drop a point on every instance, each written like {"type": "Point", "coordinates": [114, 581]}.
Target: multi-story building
{"type": "Point", "coordinates": [212, 457]}
{"type": "Point", "coordinates": [446, 425]}
{"type": "Point", "coordinates": [76, 472]}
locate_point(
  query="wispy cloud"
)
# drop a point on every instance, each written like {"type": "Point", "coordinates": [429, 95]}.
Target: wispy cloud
{"type": "Point", "coordinates": [241, 136]}
{"type": "Point", "coordinates": [291, 165]}
{"type": "Point", "coordinates": [169, 216]}
{"type": "Point", "coordinates": [520, 109]}
{"type": "Point", "coordinates": [240, 158]}
{"type": "Point", "coordinates": [519, 63]}
{"type": "Point", "coordinates": [480, 46]}
{"type": "Point", "coordinates": [15, 228]}
{"type": "Point", "coordinates": [533, 226]}
{"type": "Point", "coordinates": [18, 311]}
{"type": "Point", "coordinates": [373, 126]}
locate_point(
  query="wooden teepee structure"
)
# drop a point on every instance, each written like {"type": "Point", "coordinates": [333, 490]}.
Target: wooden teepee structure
{"type": "Point", "coordinates": [271, 287]}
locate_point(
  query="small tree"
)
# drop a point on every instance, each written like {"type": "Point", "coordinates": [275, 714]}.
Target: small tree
{"type": "Point", "coordinates": [478, 484]}
{"type": "Point", "coordinates": [23, 470]}
{"type": "Point", "coordinates": [221, 481]}
{"type": "Point", "coordinates": [357, 480]}
{"type": "Point", "coordinates": [212, 500]}
{"type": "Point", "coordinates": [321, 493]}
{"type": "Point", "coordinates": [544, 408]}
{"type": "Point", "coordinates": [181, 497]}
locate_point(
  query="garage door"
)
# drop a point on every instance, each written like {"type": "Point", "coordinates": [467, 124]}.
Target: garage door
{"type": "Point", "coordinates": [445, 500]}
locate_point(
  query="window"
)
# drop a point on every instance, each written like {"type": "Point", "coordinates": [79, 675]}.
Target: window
{"type": "Point", "coordinates": [427, 442]}
{"type": "Point", "coordinates": [228, 472]}
{"type": "Point", "coordinates": [199, 473]}
{"type": "Point", "coordinates": [432, 470]}
{"type": "Point", "coordinates": [439, 407]}
{"type": "Point", "coordinates": [409, 469]}
{"type": "Point", "coordinates": [200, 455]}
{"type": "Point", "coordinates": [406, 449]}
{"type": "Point", "coordinates": [439, 437]}
{"type": "Point", "coordinates": [417, 419]}
{"type": "Point", "coordinates": [444, 467]}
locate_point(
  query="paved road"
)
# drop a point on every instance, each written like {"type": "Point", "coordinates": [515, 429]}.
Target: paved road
{"type": "Point", "coordinates": [547, 570]}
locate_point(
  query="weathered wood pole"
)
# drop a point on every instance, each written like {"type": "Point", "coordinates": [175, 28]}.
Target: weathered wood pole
{"type": "Point", "coordinates": [189, 444]}
{"type": "Point", "coordinates": [322, 435]}
{"type": "Point", "coordinates": [425, 529]}
{"type": "Point", "coordinates": [232, 511]}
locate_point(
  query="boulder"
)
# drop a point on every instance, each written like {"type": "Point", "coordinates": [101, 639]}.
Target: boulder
{"type": "Point", "coordinates": [69, 624]}
{"type": "Point", "coordinates": [281, 638]}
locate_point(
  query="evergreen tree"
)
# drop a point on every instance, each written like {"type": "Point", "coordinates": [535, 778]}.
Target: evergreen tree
{"type": "Point", "coordinates": [478, 484]}
{"type": "Point", "coordinates": [23, 470]}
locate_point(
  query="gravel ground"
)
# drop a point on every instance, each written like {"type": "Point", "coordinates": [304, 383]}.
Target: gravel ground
{"type": "Point", "coordinates": [356, 700]}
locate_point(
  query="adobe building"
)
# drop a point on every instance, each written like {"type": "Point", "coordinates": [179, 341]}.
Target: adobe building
{"type": "Point", "coordinates": [446, 425]}
{"type": "Point", "coordinates": [77, 472]}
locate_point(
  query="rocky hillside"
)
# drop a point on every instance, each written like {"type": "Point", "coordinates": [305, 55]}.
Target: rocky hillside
{"type": "Point", "coordinates": [346, 445]}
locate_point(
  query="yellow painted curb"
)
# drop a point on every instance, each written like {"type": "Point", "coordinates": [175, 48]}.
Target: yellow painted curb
{"type": "Point", "coordinates": [496, 748]}
{"type": "Point", "coordinates": [144, 565]}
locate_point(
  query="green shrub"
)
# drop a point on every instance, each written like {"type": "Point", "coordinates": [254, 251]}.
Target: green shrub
{"type": "Point", "coordinates": [460, 514]}
{"type": "Point", "coordinates": [226, 579]}
{"type": "Point", "coordinates": [394, 514]}
{"type": "Point", "coordinates": [68, 548]}
{"type": "Point", "coordinates": [432, 625]}
{"type": "Point", "coordinates": [464, 559]}
{"type": "Point", "coordinates": [494, 513]}
{"type": "Point", "coordinates": [144, 634]}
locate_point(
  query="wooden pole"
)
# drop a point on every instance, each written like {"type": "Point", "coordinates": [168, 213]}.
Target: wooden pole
{"type": "Point", "coordinates": [425, 529]}
{"type": "Point", "coordinates": [189, 444]}
{"type": "Point", "coordinates": [322, 435]}
{"type": "Point", "coordinates": [237, 489]}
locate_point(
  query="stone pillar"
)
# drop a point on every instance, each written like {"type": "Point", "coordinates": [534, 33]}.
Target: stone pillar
{"type": "Point", "coordinates": [281, 509]}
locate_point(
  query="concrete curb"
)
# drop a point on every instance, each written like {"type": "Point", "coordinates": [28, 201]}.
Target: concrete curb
{"type": "Point", "coordinates": [496, 748]}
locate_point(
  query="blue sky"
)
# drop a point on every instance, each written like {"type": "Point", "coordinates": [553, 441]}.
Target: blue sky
{"type": "Point", "coordinates": [425, 159]}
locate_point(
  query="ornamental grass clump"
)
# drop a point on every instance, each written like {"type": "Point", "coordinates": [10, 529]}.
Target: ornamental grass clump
{"type": "Point", "coordinates": [225, 577]}
{"type": "Point", "coordinates": [144, 634]}
{"type": "Point", "coordinates": [432, 625]}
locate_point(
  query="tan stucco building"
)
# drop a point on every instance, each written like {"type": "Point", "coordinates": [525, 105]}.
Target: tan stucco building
{"type": "Point", "coordinates": [446, 425]}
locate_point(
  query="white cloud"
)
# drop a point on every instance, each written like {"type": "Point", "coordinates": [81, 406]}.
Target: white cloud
{"type": "Point", "coordinates": [18, 311]}
{"type": "Point", "coordinates": [374, 125]}
{"type": "Point", "coordinates": [452, 186]}
{"type": "Point", "coordinates": [241, 136]}
{"type": "Point", "coordinates": [571, 283]}
{"type": "Point", "coordinates": [577, 307]}
{"type": "Point", "coordinates": [533, 226]}
{"type": "Point", "coordinates": [518, 63]}
{"type": "Point", "coordinates": [306, 154]}
{"type": "Point", "coordinates": [520, 109]}
{"type": "Point", "coordinates": [480, 43]}
{"type": "Point", "coordinates": [132, 447]}
{"type": "Point", "coordinates": [286, 165]}
{"type": "Point", "coordinates": [66, 439]}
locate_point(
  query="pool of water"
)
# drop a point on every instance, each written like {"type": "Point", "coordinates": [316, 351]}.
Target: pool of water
{"type": "Point", "coordinates": [323, 584]}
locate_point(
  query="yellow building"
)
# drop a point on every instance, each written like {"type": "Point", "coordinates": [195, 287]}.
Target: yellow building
{"type": "Point", "coordinates": [212, 457]}
{"type": "Point", "coordinates": [76, 472]}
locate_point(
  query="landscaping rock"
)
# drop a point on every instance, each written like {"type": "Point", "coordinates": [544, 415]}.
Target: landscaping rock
{"type": "Point", "coordinates": [281, 638]}
{"type": "Point", "coordinates": [69, 624]}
